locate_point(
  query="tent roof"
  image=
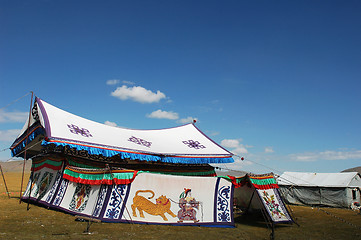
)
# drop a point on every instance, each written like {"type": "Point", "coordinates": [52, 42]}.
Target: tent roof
{"type": "Point", "coordinates": [182, 144]}
{"type": "Point", "coordinates": [344, 179]}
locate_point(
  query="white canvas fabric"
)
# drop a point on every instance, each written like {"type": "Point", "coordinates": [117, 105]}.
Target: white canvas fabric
{"type": "Point", "coordinates": [327, 189]}
{"type": "Point", "coordinates": [344, 179]}
{"type": "Point", "coordinates": [186, 140]}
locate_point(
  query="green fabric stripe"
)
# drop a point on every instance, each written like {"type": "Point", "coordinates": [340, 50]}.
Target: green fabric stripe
{"type": "Point", "coordinates": [225, 177]}
{"type": "Point", "coordinates": [50, 162]}
{"type": "Point", "coordinates": [238, 179]}
{"type": "Point", "coordinates": [266, 181]}
{"type": "Point", "coordinates": [107, 176]}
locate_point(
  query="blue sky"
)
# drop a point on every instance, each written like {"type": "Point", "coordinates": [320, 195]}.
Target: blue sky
{"type": "Point", "coordinates": [276, 82]}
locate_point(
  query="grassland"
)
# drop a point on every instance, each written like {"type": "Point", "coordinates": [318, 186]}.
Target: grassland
{"type": "Point", "coordinates": [16, 222]}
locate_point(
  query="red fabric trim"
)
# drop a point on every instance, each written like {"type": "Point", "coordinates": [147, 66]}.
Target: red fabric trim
{"type": "Point", "coordinates": [264, 187]}
{"type": "Point", "coordinates": [234, 182]}
{"type": "Point", "coordinates": [47, 166]}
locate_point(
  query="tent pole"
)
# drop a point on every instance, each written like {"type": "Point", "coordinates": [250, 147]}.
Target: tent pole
{"type": "Point", "coordinates": [26, 144]}
{"type": "Point", "coordinates": [31, 183]}
{"type": "Point", "coordinates": [250, 201]}
{"type": "Point", "coordinates": [6, 187]}
{"type": "Point", "coordinates": [273, 231]}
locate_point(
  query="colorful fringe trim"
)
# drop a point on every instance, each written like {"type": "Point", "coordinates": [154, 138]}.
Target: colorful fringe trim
{"type": "Point", "coordinates": [108, 152]}
{"type": "Point", "coordinates": [258, 181]}
{"type": "Point", "coordinates": [48, 163]}
{"type": "Point", "coordinates": [236, 181]}
{"type": "Point", "coordinates": [99, 176]}
{"type": "Point", "coordinates": [263, 182]}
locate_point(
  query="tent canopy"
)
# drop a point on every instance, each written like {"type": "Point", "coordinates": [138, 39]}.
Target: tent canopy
{"type": "Point", "coordinates": [344, 179]}
{"type": "Point", "coordinates": [182, 144]}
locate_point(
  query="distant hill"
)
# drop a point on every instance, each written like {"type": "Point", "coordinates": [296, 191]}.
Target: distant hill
{"type": "Point", "coordinates": [15, 166]}
{"type": "Point", "coordinates": [355, 169]}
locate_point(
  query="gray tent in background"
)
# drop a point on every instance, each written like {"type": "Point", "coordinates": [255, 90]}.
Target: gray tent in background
{"type": "Point", "coordinates": [327, 189]}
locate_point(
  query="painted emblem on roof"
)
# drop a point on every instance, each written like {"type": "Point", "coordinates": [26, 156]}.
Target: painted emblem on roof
{"type": "Point", "coordinates": [193, 144]}
{"type": "Point", "coordinates": [140, 141]}
{"type": "Point", "coordinates": [77, 130]}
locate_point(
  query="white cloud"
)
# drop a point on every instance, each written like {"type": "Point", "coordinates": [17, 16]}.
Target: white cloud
{"type": "Point", "coordinates": [113, 124]}
{"type": "Point", "coordinates": [326, 155]}
{"type": "Point", "coordinates": [13, 116]}
{"type": "Point", "coordinates": [137, 94]}
{"type": "Point", "coordinates": [230, 143]}
{"type": "Point", "coordinates": [269, 150]}
{"type": "Point", "coordinates": [240, 150]}
{"type": "Point", "coordinates": [113, 82]}
{"type": "Point", "coordinates": [187, 120]}
{"type": "Point", "coordinates": [235, 146]}
{"type": "Point", "coordinates": [9, 135]}
{"type": "Point", "coordinates": [128, 82]}
{"type": "Point", "coordinates": [163, 115]}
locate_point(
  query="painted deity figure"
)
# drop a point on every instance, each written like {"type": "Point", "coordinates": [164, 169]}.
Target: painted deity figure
{"type": "Point", "coordinates": [188, 206]}
{"type": "Point", "coordinates": [80, 197]}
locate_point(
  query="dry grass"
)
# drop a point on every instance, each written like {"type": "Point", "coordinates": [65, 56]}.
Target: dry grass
{"type": "Point", "coordinates": [39, 223]}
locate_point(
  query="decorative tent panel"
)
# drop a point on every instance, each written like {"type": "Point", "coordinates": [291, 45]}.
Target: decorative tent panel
{"type": "Point", "coordinates": [274, 205]}
{"type": "Point", "coordinates": [261, 192]}
{"type": "Point", "coordinates": [183, 144]}
{"type": "Point", "coordinates": [148, 198]}
{"type": "Point", "coordinates": [43, 184]}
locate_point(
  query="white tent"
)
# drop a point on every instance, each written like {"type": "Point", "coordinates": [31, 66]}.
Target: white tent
{"type": "Point", "coordinates": [113, 174]}
{"type": "Point", "coordinates": [329, 189]}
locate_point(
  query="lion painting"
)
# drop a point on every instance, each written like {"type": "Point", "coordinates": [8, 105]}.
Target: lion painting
{"type": "Point", "coordinates": [161, 206]}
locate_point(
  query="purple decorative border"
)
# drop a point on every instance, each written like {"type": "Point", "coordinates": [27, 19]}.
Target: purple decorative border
{"type": "Point", "coordinates": [45, 117]}
{"type": "Point", "coordinates": [216, 196]}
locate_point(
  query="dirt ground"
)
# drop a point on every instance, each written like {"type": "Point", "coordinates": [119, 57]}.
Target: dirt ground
{"type": "Point", "coordinates": [16, 222]}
